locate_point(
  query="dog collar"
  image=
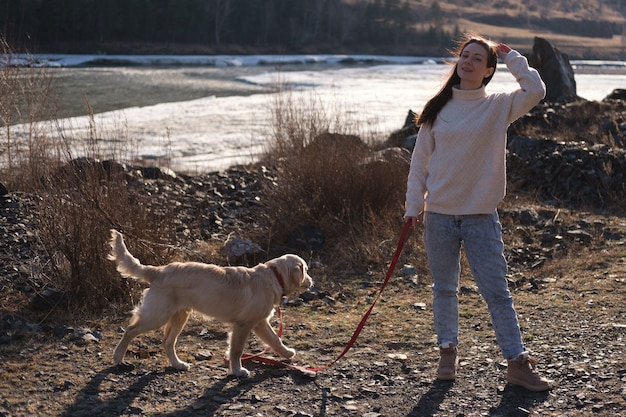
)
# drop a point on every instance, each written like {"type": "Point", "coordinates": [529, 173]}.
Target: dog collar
{"type": "Point", "coordinates": [279, 277]}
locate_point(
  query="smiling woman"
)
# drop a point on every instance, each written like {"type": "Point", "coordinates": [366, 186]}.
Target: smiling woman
{"type": "Point", "coordinates": [456, 180]}
{"type": "Point", "coordinates": [476, 65]}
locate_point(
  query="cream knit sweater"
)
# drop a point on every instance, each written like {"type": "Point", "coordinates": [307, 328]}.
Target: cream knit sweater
{"type": "Point", "coordinates": [459, 163]}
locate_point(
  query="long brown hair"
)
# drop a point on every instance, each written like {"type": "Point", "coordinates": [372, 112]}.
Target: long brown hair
{"type": "Point", "coordinates": [435, 104]}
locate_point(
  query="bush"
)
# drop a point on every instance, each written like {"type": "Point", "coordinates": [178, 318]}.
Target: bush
{"type": "Point", "coordinates": [333, 180]}
{"type": "Point", "coordinates": [81, 201]}
{"type": "Point", "coordinates": [78, 200]}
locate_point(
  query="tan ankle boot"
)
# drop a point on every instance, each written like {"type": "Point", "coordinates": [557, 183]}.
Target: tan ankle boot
{"type": "Point", "coordinates": [447, 363]}
{"type": "Point", "coordinates": [521, 371]}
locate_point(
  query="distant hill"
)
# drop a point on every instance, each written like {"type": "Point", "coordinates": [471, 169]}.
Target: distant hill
{"type": "Point", "coordinates": [582, 29]}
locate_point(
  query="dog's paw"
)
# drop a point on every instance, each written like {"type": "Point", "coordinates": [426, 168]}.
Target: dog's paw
{"type": "Point", "coordinates": [289, 353]}
{"type": "Point", "coordinates": [240, 373]}
{"type": "Point", "coordinates": [118, 357]}
{"type": "Point", "coordinates": [181, 366]}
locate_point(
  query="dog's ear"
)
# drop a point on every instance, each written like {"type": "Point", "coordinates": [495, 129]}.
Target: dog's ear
{"type": "Point", "coordinates": [297, 271]}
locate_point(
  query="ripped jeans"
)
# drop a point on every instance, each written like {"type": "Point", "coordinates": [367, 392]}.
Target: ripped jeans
{"type": "Point", "coordinates": [481, 237]}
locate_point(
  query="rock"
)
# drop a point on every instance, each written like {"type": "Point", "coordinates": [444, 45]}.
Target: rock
{"type": "Point", "coordinates": [125, 367]}
{"type": "Point", "coordinates": [555, 70]}
{"type": "Point", "coordinates": [617, 94]}
{"type": "Point", "coordinates": [399, 138]}
{"type": "Point", "coordinates": [203, 355]}
{"type": "Point", "coordinates": [48, 299]}
{"type": "Point", "coordinates": [610, 235]}
{"type": "Point", "coordinates": [62, 330]}
{"type": "Point", "coordinates": [305, 238]}
{"type": "Point", "coordinates": [155, 173]}
{"type": "Point", "coordinates": [580, 236]}
{"type": "Point", "coordinates": [315, 293]}
{"type": "Point", "coordinates": [84, 335]}
{"type": "Point", "coordinates": [525, 216]}
{"type": "Point", "coordinates": [408, 270]}
{"type": "Point", "coordinates": [571, 172]}
{"type": "Point", "coordinates": [241, 251]}
{"type": "Point", "coordinates": [397, 156]}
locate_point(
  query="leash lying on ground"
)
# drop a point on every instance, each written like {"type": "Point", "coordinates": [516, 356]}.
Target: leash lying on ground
{"type": "Point", "coordinates": [312, 371]}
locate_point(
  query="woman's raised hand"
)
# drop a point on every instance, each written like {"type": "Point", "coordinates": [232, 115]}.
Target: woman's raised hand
{"type": "Point", "coordinates": [503, 49]}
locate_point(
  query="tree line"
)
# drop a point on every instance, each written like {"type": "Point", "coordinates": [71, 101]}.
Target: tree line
{"type": "Point", "coordinates": [289, 24]}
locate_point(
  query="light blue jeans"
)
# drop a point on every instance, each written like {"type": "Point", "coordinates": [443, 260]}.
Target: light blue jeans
{"type": "Point", "coordinates": [481, 237]}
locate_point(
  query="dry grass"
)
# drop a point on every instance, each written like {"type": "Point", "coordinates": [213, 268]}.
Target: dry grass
{"type": "Point", "coordinates": [79, 206]}
{"type": "Point", "coordinates": [80, 199]}
{"type": "Point", "coordinates": [25, 97]}
{"type": "Point", "coordinates": [332, 180]}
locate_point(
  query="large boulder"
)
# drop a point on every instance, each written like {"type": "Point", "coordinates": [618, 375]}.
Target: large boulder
{"type": "Point", "coordinates": [555, 70]}
{"type": "Point", "coordinates": [406, 136]}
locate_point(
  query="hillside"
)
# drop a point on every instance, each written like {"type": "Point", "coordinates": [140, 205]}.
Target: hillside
{"type": "Point", "coordinates": [582, 29]}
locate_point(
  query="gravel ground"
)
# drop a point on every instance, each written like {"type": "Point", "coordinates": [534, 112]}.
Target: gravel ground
{"type": "Point", "coordinates": [571, 309]}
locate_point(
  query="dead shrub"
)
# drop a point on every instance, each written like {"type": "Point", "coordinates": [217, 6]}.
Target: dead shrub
{"type": "Point", "coordinates": [79, 198]}
{"type": "Point", "coordinates": [333, 180]}
{"type": "Point", "coordinates": [81, 202]}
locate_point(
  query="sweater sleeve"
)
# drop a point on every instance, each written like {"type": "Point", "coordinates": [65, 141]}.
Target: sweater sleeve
{"type": "Point", "coordinates": [418, 172]}
{"type": "Point", "coordinates": [532, 89]}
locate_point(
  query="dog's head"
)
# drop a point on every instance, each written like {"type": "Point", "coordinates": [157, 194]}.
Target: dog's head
{"type": "Point", "coordinates": [294, 272]}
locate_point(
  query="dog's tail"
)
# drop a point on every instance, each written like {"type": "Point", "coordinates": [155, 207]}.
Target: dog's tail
{"type": "Point", "coordinates": [127, 264]}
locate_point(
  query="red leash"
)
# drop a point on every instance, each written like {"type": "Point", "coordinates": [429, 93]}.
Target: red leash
{"type": "Point", "coordinates": [313, 370]}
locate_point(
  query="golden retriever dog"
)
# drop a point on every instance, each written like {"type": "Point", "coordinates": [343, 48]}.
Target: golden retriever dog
{"type": "Point", "coordinates": [242, 297]}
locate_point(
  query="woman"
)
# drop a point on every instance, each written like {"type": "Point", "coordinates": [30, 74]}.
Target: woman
{"type": "Point", "coordinates": [456, 180]}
